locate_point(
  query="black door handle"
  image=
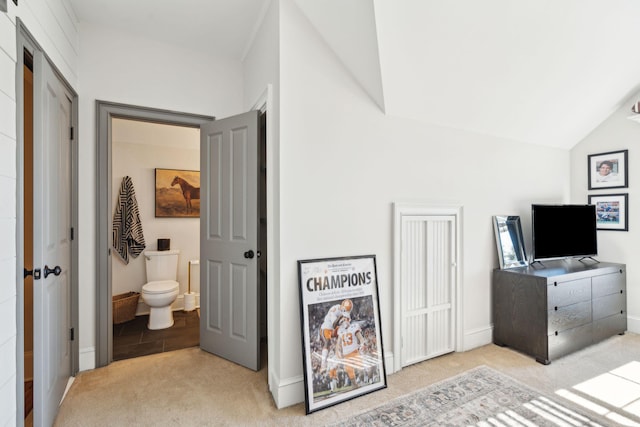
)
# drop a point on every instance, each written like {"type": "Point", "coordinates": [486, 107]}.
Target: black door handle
{"type": "Point", "coordinates": [249, 254]}
{"type": "Point", "coordinates": [55, 271]}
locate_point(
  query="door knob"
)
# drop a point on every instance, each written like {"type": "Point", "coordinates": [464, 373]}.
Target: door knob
{"type": "Point", "coordinates": [249, 254]}
{"type": "Point", "coordinates": [55, 271]}
{"type": "Point", "coordinates": [27, 273]}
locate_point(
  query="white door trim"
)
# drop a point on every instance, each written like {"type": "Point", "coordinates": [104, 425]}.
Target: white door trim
{"type": "Point", "coordinates": [403, 209]}
{"type": "Point", "coordinates": [264, 104]}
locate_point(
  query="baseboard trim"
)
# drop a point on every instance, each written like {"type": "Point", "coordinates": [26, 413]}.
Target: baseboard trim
{"type": "Point", "coordinates": [287, 392]}
{"type": "Point", "coordinates": [477, 338]}
{"type": "Point", "coordinates": [388, 363]}
{"type": "Point", "coordinates": [633, 324]}
{"type": "Point", "coordinates": [87, 358]}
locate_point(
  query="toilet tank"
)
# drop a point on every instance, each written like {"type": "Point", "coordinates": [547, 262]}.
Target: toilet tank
{"type": "Point", "coordinates": [161, 265]}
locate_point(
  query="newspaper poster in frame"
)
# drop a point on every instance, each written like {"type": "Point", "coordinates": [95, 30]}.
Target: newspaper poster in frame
{"type": "Point", "coordinates": [341, 332]}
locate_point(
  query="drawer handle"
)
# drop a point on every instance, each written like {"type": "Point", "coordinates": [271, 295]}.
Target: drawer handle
{"type": "Point", "coordinates": [555, 283]}
{"type": "Point", "coordinates": [621, 291]}
{"type": "Point", "coordinates": [555, 308]}
{"type": "Point", "coordinates": [556, 333]}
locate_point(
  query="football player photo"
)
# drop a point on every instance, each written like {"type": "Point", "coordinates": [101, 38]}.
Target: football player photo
{"type": "Point", "coordinates": [341, 335]}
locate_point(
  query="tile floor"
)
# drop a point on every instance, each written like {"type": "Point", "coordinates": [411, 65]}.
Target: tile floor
{"type": "Point", "coordinates": [133, 338]}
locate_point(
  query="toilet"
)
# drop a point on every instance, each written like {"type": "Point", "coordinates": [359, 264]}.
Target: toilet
{"type": "Point", "coordinates": [162, 288]}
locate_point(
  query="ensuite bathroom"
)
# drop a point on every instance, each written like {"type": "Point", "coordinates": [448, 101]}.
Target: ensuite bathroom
{"type": "Point", "coordinates": [155, 200]}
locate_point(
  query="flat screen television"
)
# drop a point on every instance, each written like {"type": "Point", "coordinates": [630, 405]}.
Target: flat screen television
{"type": "Point", "coordinates": [562, 231]}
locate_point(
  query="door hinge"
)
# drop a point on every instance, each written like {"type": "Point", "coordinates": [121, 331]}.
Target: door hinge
{"type": "Point", "coordinates": [71, 133]}
{"type": "Point", "coordinates": [71, 233]}
{"type": "Point", "coordinates": [72, 334]}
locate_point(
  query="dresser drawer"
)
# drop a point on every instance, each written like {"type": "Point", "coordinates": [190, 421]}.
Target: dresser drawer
{"type": "Point", "coordinates": [568, 341]}
{"type": "Point", "coordinates": [568, 316]}
{"type": "Point", "coordinates": [609, 326]}
{"type": "Point", "coordinates": [567, 293]}
{"type": "Point", "coordinates": [609, 305]}
{"type": "Point", "coordinates": [608, 284]}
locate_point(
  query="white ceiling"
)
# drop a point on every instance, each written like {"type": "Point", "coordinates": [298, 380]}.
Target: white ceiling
{"type": "Point", "coordinates": [543, 72]}
{"type": "Point", "coordinates": [224, 26]}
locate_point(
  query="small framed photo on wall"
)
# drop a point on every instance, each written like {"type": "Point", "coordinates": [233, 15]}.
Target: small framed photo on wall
{"type": "Point", "coordinates": [612, 211]}
{"type": "Point", "coordinates": [608, 170]}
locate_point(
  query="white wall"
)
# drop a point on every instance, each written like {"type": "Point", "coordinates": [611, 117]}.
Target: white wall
{"type": "Point", "coordinates": [8, 220]}
{"type": "Point", "coordinates": [343, 163]}
{"type": "Point", "coordinates": [615, 134]}
{"type": "Point", "coordinates": [53, 26]}
{"type": "Point", "coordinates": [126, 69]}
{"type": "Point", "coordinates": [144, 150]}
{"type": "Point", "coordinates": [261, 68]}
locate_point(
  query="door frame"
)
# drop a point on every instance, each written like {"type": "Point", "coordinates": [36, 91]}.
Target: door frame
{"type": "Point", "coordinates": [105, 111]}
{"type": "Point", "coordinates": [401, 210]}
{"type": "Point", "coordinates": [26, 41]}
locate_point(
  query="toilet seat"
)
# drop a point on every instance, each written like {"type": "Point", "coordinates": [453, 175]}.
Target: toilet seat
{"type": "Point", "coordinates": [160, 287]}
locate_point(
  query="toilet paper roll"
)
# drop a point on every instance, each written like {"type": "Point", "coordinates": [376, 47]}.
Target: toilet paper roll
{"type": "Point", "coordinates": [189, 301]}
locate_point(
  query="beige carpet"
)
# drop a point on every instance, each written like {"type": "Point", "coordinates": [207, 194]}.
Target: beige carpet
{"type": "Point", "coordinates": [193, 388]}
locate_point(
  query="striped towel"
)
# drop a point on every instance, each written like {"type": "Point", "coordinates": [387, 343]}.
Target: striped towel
{"type": "Point", "coordinates": [128, 238]}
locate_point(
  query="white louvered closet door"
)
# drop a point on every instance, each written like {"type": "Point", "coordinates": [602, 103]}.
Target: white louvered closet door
{"type": "Point", "coordinates": [427, 287]}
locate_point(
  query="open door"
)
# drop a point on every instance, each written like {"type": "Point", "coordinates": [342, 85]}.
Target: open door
{"type": "Point", "coordinates": [229, 297]}
{"type": "Point", "coordinates": [51, 241]}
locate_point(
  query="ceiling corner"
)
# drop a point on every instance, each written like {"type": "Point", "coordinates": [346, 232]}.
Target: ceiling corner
{"type": "Point", "coordinates": [349, 29]}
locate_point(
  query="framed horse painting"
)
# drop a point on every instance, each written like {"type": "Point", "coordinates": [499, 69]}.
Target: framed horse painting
{"type": "Point", "coordinates": [177, 193]}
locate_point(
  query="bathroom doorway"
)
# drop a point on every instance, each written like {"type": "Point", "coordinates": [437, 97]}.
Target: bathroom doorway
{"type": "Point", "coordinates": [138, 148]}
{"type": "Point", "coordinates": [109, 280]}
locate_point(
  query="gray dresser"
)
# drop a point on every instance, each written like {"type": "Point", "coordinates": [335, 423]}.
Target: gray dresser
{"type": "Point", "coordinates": [556, 307]}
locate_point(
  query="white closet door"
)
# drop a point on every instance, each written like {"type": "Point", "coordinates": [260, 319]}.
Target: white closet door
{"type": "Point", "coordinates": [427, 286]}
{"type": "Point", "coordinates": [51, 241]}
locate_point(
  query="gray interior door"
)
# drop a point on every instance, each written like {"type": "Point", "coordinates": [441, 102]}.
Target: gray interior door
{"type": "Point", "coordinates": [229, 299]}
{"type": "Point", "coordinates": [51, 241]}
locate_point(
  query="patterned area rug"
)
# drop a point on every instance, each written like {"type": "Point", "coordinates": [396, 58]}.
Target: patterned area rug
{"type": "Point", "coordinates": [479, 397]}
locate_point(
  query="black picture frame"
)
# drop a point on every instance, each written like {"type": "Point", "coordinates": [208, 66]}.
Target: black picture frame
{"type": "Point", "coordinates": [612, 211]}
{"type": "Point", "coordinates": [353, 363]}
{"type": "Point", "coordinates": [616, 162]}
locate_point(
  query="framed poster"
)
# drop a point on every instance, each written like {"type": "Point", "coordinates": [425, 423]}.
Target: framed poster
{"type": "Point", "coordinates": [608, 170]}
{"type": "Point", "coordinates": [177, 193]}
{"type": "Point", "coordinates": [612, 211]}
{"type": "Point", "coordinates": [341, 334]}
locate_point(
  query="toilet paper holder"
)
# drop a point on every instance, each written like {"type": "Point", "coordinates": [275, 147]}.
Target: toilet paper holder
{"type": "Point", "coordinates": [191, 262]}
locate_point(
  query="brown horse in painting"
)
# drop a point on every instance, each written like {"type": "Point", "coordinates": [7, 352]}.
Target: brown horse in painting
{"type": "Point", "coordinates": [188, 191]}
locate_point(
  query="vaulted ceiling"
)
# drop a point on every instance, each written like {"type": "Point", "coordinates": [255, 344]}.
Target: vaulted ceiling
{"type": "Point", "coordinates": [543, 72]}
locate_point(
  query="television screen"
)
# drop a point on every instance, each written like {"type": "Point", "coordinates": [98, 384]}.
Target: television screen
{"type": "Point", "coordinates": [561, 231]}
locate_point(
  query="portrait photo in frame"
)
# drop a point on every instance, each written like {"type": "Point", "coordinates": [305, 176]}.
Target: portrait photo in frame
{"type": "Point", "coordinates": [608, 170]}
{"type": "Point", "coordinates": [341, 331]}
{"type": "Point", "coordinates": [177, 193]}
{"type": "Point", "coordinates": [612, 211]}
